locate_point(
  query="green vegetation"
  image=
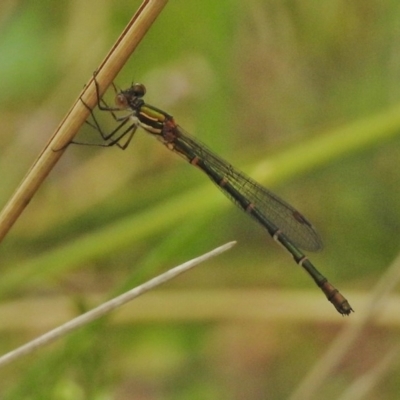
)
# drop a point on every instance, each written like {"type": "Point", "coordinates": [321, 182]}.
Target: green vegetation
{"type": "Point", "coordinates": [302, 96]}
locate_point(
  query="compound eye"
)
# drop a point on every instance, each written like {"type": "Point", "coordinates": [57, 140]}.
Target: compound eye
{"type": "Point", "coordinates": [139, 89]}
{"type": "Point", "coordinates": [121, 101]}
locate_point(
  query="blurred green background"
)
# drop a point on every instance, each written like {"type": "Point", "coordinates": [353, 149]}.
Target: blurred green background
{"type": "Point", "coordinates": [302, 96]}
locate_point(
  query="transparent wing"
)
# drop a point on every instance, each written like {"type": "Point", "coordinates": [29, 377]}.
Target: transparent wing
{"type": "Point", "coordinates": [286, 218]}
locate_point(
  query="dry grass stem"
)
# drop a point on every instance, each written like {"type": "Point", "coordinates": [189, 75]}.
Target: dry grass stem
{"type": "Point", "coordinates": [108, 306]}
{"type": "Point", "coordinates": [106, 72]}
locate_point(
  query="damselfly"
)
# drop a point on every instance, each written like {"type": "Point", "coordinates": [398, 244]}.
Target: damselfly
{"type": "Point", "coordinates": [283, 222]}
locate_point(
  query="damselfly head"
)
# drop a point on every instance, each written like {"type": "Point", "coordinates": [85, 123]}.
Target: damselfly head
{"type": "Point", "coordinates": [131, 97]}
{"type": "Point", "coordinates": [137, 90]}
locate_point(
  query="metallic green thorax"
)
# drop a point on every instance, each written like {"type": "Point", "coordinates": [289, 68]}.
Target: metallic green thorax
{"type": "Point", "coordinates": [152, 119]}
